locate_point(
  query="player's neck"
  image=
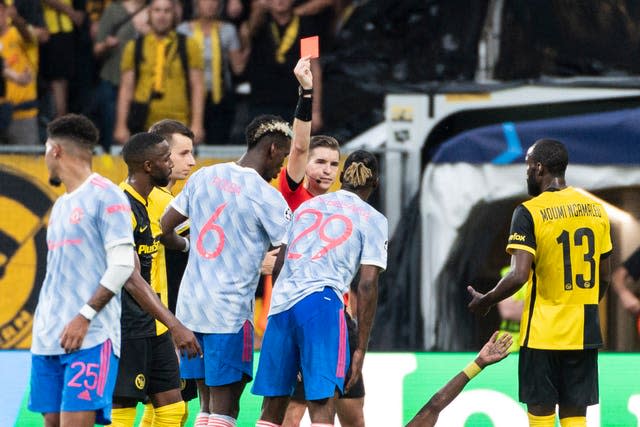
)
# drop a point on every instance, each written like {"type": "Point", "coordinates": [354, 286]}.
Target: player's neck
{"type": "Point", "coordinates": [170, 185]}
{"type": "Point", "coordinates": [253, 161]}
{"type": "Point", "coordinates": [555, 183]}
{"type": "Point", "coordinates": [142, 186]}
{"type": "Point", "coordinates": [75, 174]}
{"type": "Point", "coordinates": [363, 193]}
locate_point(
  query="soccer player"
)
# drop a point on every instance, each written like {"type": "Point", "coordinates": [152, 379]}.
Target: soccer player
{"type": "Point", "coordinates": [311, 170]}
{"type": "Point", "coordinates": [559, 244]}
{"type": "Point", "coordinates": [331, 237]}
{"type": "Point", "coordinates": [235, 214]}
{"type": "Point", "coordinates": [180, 139]}
{"type": "Point", "coordinates": [76, 327]}
{"type": "Point", "coordinates": [149, 365]}
{"type": "Point", "coordinates": [492, 352]}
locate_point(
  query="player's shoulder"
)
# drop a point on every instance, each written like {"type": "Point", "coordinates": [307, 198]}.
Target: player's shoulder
{"type": "Point", "coordinates": [103, 188]}
{"type": "Point", "coordinates": [160, 195]}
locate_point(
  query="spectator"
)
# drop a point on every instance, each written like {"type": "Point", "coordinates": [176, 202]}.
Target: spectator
{"type": "Point", "coordinates": [222, 54]}
{"type": "Point", "coordinates": [119, 23]}
{"type": "Point", "coordinates": [275, 49]}
{"type": "Point", "coordinates": [21, 110]}
{"type": "Point", "coordinates": [161, 77]}
{"type": "Point", "coordinates": [58, 53]}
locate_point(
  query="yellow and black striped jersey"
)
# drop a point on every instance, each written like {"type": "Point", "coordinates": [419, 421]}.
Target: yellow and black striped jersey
{"type": "Point", "coordinates": [568, 233]}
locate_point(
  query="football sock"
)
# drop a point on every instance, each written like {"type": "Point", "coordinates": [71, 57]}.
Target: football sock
{"type": "Point", "coordinates": [123, 417]}
{"type": "Point", "coordinates": [202, 419]}
{"type": "Point", "coordinates": [573, 422]}
{"type": "Point", "coordinates": [169, 415]}
{"type": "Point", "coordinates": [218, 420]}
{"type": "Point", "coordinates": [543, 421]}
{"type": "Point", "coordinates": [147, 416]}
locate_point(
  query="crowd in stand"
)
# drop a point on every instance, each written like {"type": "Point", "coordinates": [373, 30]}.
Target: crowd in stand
{"type": "Point", "coordinates": [129, 63]}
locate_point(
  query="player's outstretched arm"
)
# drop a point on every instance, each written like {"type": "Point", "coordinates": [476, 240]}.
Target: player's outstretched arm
{"type": "Point", "coordinates": [170, 239]}
{"type": "Point", "coordinates": [120, 264]}
{"type": "Point", "coordinates": [518, 275]}
{"type": "Point", "coordinates": [299, 152]}
{"type": "Point", "coordinates": [493, 351]}
{"type": "Point", "coordinates": [184, 340]}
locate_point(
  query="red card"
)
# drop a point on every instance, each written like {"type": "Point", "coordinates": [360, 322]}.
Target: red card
{"type": "Point", "coordinates": [310, 46]}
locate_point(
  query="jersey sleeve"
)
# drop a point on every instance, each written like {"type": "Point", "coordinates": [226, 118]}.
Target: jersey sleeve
{"type": "Point", "coordinates": [114, 220]}
{"type": "Point", "coordinates": [275, 216]}
{"type": "Point", "coordinates": [375, 243]}
{"type": "Point", "coordinates": [181, 202]}
{"type": "Point", "coordinates": [632, 264]}
{"type": "Point", "coordinates": [521, 235]}
{"type": "Point", "coordinates": [607, 244]}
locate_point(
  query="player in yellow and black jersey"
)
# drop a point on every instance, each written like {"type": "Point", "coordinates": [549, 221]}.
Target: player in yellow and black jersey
{"type": "Point", "coordinates": [559, 242]}
{"type": "Point", "coordinates": [148, 366]}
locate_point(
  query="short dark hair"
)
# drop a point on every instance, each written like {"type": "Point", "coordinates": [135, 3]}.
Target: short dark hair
{"type": "Point", "coordinates": [266, 125]}
{"type": "Point", "coordinates": [324, 141]}
{"type": "Point", "coordinates": [552, 154]}
{"type": "Point", "coordinates": [360, 169]}
{"type": "Point", "coordinates": [138, 148]}
{"type": "Point", "coordinates": [168, 127]}
{"type": "Point", "coordinates": [75, 128]}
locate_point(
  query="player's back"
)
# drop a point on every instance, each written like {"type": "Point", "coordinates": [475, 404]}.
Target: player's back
{"type": "Point", "coordinates": [234, 215]}
{"type": "Point", "coordinates": [330, 237]}
{"type": "Point", "coordinates": [572, 232]}
{"type": "Point", "coordinates": [83, 224]}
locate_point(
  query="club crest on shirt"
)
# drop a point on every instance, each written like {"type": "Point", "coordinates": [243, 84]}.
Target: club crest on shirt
{"type": "Point", "coordinates": [23, 253]}
{"type": "Point", "coordinates": [76, 216]}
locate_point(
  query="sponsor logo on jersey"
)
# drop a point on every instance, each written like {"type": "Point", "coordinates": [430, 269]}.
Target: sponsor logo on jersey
{"type": "Point", "coordinates": [148, 249]}
{"type": "Point", "coordinates": [517, 237]}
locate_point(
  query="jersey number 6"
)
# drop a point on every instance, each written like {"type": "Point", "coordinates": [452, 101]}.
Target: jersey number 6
{"type": "Point", "coordinates": [210, 225]}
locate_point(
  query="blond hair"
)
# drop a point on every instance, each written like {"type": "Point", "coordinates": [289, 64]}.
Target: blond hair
{"type": "Point", "coordinates": [357, 174]}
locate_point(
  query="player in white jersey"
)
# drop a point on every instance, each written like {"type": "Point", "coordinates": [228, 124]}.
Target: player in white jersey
{"type": "Point", "coordinates": [331, 237]}
{"type": "Point", "coordinates": [235, 215]}
{"type": "Point", "coordinates": [76, 328]}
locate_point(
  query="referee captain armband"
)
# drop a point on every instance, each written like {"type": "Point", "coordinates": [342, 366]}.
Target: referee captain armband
{"type": "Point", "coordinates": [472, 370]}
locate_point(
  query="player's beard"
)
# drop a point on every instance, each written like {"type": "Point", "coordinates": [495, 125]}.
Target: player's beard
{"type": "Point", "coordinates": [55, 181]}
{"type": "Point", "coordinates": [161, 180]}
{"type": "Point", "coordinates": [533, 188]}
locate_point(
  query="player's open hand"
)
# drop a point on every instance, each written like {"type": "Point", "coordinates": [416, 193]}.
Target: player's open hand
{"type": "Point", "coordinates": [355, 372]}
{"type": "Point", "coordinates": [478, 304]}
{"type": "Point", "coordinates": [185, 341]}
{"type": "Point", "coordinates": [303, 72]}
{"type": "Point", "coordinates": [73, 334]}
{"type": "Point", "coordinates": [494, 350]}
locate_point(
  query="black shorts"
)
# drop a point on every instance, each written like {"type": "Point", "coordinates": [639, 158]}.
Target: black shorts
{"type": "Point", "coordinates": [357, 391]}
{"type": "Point", "coordinates": [147, 366]}
{"type": "Point", "coordinates": [563, 377]}
{"type": "Point", "coordinates": [57, 57]}
{"type": "Point", "coordinates": [189, 389]}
